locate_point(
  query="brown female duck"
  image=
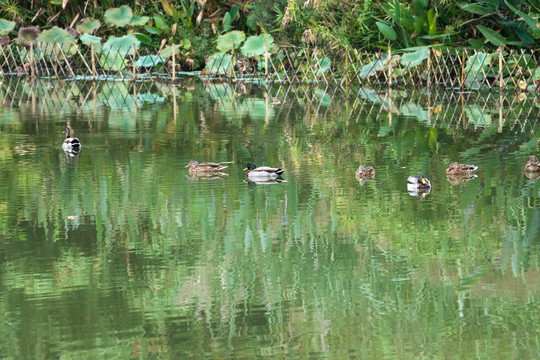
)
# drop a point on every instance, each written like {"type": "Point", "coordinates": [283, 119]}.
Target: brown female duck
{"type": "Point", "coordinates": [460, 169]}
{"type": "Point", "coordinates": [532, 165]}
{"type": "Point", "coordinates": [365, 171]}
{"type": "Point", "coordinates": [204, 168]}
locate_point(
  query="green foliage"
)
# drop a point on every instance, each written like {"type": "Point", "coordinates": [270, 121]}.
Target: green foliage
{"type": "Point", "coordinates": [55, 35]}
{"type": "Point", "coordinates": [220, 63]}
{"type": "Point", "coordinates": [492, 36]}
{"type": "Point", "coordinates": [387, 31]}
{"type": "Point", "coordinates": [257, 45]}
{"type": "Point", "coordinates": [115, 50]}
{"type": "Point", "coordinates": [88, 39]}
{"type": "Point", "coordinates": [149, 61]}
{"type": "Point", "coordinates": [119, 17]}
{"type": "Point", "coordinates": [88, 26]}
{"type": "Point", "coordinates": [6, 26]}
{"type": "Point", "coordinates": [416, 58]}
{"type": "Point", "coordinates": [139, 20]}
{"type": "Point", "coordinates": [230, 40]}
{"type": "Point", "coordinates": [476, 69]}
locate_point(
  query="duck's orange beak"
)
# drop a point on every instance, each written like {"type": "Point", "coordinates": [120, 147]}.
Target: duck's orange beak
{"type": "Point", "coordinates": [423, 181]}
{"type": "Point", "coordinates": [245, 169]}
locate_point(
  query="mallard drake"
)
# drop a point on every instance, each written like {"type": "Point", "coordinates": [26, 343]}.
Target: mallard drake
{"type": "Point", "coordinates": [365, 171]}
{"type": "Point", "coordinates": [532, 165]}
{"type": "Point", "coordinates": [460, 169]}
{"type": "Point", "coordinates": [70, 143]}
{"type": "Point", "coordinates": [418, 182]}
{"type": "Point", "coordinates": [208, 167]}
{"type": "Point", "coordinates": [260, 173]}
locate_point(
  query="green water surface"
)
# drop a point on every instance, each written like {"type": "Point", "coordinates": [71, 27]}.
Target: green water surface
{"type": "Point", "coordinates": [119, 253]}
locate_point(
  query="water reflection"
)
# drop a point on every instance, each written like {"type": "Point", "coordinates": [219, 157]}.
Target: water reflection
{"type": "Point", "coordinates": [166, 264]}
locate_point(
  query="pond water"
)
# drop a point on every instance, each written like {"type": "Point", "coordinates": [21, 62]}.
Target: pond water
{"type": "Point", "coordinates": [119, 253]}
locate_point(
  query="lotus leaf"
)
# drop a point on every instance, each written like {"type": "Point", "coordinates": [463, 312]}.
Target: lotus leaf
{"type": "Point", "coordinates": [118, 16]}
{"type": "Point", "coordinates": [122, 45]}
{"type": "Point", "coordinates": [254, 45]}
{"type": "Point", "coordinates": [476, 69]}
{"type": "Point", "coordinates": [168, 51]}
{"type": "Point", "coordinates": [149, 61]}
{"type": "Point", "coordinates": [88, 39]}
{"type": "Point", "coordinates": [6, 26]}
{"type": "Point", "coordinates": [55, 35]}
{"type": "Point", "coordinates": [88, 25]}
{"type": "Point", "coordinates": [415, 58]}
{"type": "Point", "coordinates": [115, 51]}
{"type": "Point", "coordinates": [220, 63]}
{"type": "Point", "coordinates": [230, 40]}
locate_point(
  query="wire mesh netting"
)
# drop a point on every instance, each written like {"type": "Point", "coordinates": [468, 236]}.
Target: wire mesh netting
{"type": "Point", "coordinates": [450, 68]}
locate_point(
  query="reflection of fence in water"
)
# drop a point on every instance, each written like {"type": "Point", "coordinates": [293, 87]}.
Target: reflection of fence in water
{"type": "Point", "coordinates": [451, 68]}
{"type": "Point", "coordinates": [444, 108]}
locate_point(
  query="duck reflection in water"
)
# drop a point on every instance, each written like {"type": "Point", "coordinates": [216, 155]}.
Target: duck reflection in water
{"type": "Point", "coordinates": [206, 176]}
{"type": "Point", "coordinates": [533, 176]}
{"type": "Point", "coordinates": [253, 183]}
{"type": "Point", "coordinates": [456, 180]}
{"type": "Point", "coordinates": [72, 153]}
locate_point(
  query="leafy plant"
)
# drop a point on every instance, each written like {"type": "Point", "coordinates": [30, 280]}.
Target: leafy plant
{"type": "Point", "coordinates": [88, 26]}
{"type": "Point", "coordinates": [6, 26]}
{"type": "Point", "coordinates": [119, 17]}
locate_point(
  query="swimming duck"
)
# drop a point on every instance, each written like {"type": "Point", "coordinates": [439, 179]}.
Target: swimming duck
{"type": "Point", "coordinates": [70, 143]}
{"type": "Point", "coordinates": [260, 173]}
{"type": "Point", "coordinates": [208, 167]}
{"type": "Point", "coordinates": [532, 165]}
{"type": "Point", "coordinates": [460, 169]}
{"type": "Point", "coordinates": [418, 182]}
{"type": "Point", "coordinates": [365, 171]}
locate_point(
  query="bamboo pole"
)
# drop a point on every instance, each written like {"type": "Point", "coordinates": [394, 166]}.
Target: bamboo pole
{"type": "Point", "coordinates": [55, 67]}
{"type": "Point", "coordinates": [175, 105]}
{"type": "Point", "coordinates": [32, 60]}
{"type": "Point", "coordinates": [173, 63]}
{"type": "Point", "coordinates": [265, 61]}
{"type": "Point", "coordinates": [428, 67]}
{"type": "Point", "coordinates": [501, 85]}
{"type": "Point", "coordinates": [501, 82]}
{"type": "Point", "coordinates": [93, 61]}
{"type": "Point", "coordinates": [133, 63]}
{"type": "Point", "coordinates": [389, 65]}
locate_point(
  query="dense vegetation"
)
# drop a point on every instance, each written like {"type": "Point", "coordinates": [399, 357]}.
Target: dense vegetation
{"type": "Point", "coordinates": [198, 25]}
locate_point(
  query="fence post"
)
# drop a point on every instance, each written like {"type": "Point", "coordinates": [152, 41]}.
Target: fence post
{"type": "Point", "coordinates": [134, 65]}
{"type": "Point", "coordinates": [32, 60]}
{"type": "Point", "coordinates": [55, 59]}
{"type": "Point", "coordinates": [428, 67]}
{"type": "Point", "coordinates": [347, 69]}
{"type": "Point", "coordinates": [265, 61]}
{"type": "Point", "coordinates": [93, 61]}
{"type": "Point", "coordinates": [389, 64]}
{"type": "Point", "coordinates": [501, 82]}
{"type": "Point", "coordinates": [173, 63]}
{"type": "Point", "coordinates": [501, 85]}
